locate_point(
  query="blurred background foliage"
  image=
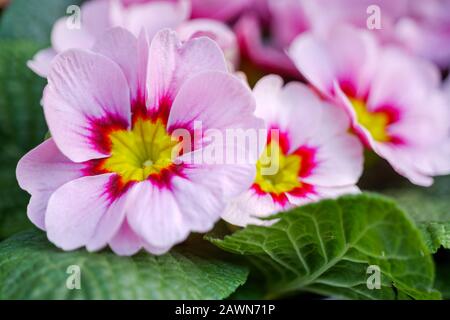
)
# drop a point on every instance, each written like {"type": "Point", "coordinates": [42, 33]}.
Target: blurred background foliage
{"type": "Point", "coordinates": [24, 29]}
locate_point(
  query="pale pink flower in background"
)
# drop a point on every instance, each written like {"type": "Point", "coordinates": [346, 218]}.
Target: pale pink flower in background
{"type": "Point", "coordinates": [224, 10]}
{"type": "Point", "coordinates": [266, 28]}
{"type": "Point", "coordinates": [325, 15]}
{"type": "Point", "coordinates": [284, 19]}
{"type": "Point", "coordinates": [425, 30]}
{"type": "Point", "coordinates": [107, 176]}
{"type": "Point", "coordinates": [97, 16]}
{"type": "Point", "coordinates": [393, 98]}
{"type": "Point", "coordinates": [315, 154]}
{"type": "Point", "coordinates": [422, 27]}
{"type": "Point", "coordinates": [216, 31]}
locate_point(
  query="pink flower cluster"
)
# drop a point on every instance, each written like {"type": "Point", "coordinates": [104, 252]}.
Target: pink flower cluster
{"type": "Point", "coordinates": [136, 73]}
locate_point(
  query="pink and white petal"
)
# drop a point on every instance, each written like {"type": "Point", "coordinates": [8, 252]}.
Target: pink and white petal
{"type": "Point", "coordinates": [320, 193]}
{"type": "Point", "coordinates": [143, 47]}
{"type": "Point", "coordinates": [403, 162]}
{"type": "Point", "coordinates": [156, 250]}
{"type": "Point", "coordinates": [346, 55]}
{"type": "Point", "coordinates": [40, 64]}
{"type": "Point", "coordinates": [63, 38]}
{"type": "Point", "coordinates": [218, 100]}
{"type": "Point", "coordinates": [172, 63]}
{"type": "Point", "coordinates": [200, 207]}
{"type": "Point", "coordinates": [312, 58]}
{"type": "Point", "coordinates": [338, 162]}
{"type": "Point", "coordinates": [155, 215]}
{"type": "Point", "coordinates": [416, 122]}
{"type": "Point", "coordinates": [249, 207]}
{"type": "Point", "coordinates": [266, 56]}
{"type": "Point", "coordinates": [300, 200]}
{"type": "Point", "coordinates": [267, 96]}
{"type": "Point", "coordinates": [333, 192]}
{"type": "Point", "coordinates": [40, 172]}
{"type": "Point", "coordinates": [336, 119]}
{"type": "Point", "coordinates": [214, 30]}
{"type": "Point", "coordinates": [121, 46]}
{"type": "Point", "coordinates": [94, 21]}
{"type": "Point", "coordinates": [415, 130]}
{"type": "Point", "coordinates": [75, 210]}
{"type": "Point", "coordinates": [229, 178]}
{"type": "Point", "coordinates": [151, 16]}
{"type": "Point", "coordinates": [204, 191]}
{"type": "Point", "coordinates": [343, 102]}
{"type": "Point", "coordinates": [125, 242]}
{"type": "Point", "coordinates": [84, 87]}
{"type": "Point", "coordinates": [306, 119]}
{"type": "Point", "coordinates": [402, 80]}
{"type": "Point", "coordinates": [355, 56]}
{"type": "Point", "coordinates": [435, 160]}
{"type": "Point", "coordinates": [109, 224]}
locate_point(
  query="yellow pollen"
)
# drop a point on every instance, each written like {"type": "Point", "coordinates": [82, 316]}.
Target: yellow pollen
{"type": "Point", "coordinates": [277, 172]}
{"type": "Point", "coordinates": [375, 122]}
{"type": "Point", "coordinates": [138, 153]}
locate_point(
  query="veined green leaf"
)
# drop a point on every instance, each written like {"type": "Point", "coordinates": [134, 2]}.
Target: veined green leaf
{"type": "Point", "coordinates": [327, 247]}
{"type": "Point", "coordinates": [32, 268]}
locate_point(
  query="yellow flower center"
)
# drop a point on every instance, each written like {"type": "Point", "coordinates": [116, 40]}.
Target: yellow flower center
{"type": "Point", "coordinates": [277, 172]}
{"type": "Point", "coordinates": [143, 151]}
{"type": "Point", "coordinates": [375, 122]}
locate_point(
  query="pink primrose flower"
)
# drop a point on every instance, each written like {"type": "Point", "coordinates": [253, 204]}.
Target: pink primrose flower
{"type": "Point", "coordinates": [112, 173]}
{"type": "Point", "coordinates": [393, 99]}
{"type": "Point", "coordinates": [311, 156]}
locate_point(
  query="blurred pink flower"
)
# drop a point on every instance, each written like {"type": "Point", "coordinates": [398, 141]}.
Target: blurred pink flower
{"type": "Point", "coordinates": [97, 16]}
{"type": "Point", "coordinates": [284, 19]}
{"type": "Point", "coordinates": [222, 10]}
{"type": "Point", "coordinates": [425, 30]}
{"type": "Point", "coordinates": [393, 99]}
{"type": "Point", "coordinates": [423, 27]}
{"type": "Point", "coordinates": [108, 175]}
{"type": "Point", "coordinates": [266, 28]}
{"type": "Point", "coordinates": [314, 157]}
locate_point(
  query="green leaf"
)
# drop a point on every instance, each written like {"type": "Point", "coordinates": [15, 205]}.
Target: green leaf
{"type": "Point", "coordinates": [430, 208]}
{"type": "Point", "coordinates": [22, 127]}
{"type": "Point", "coordinates": [326, 248]}
{"type": "Point", "coordinates": [33, 19]}
{"type": "Point", "coordinates": [32, 268]}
